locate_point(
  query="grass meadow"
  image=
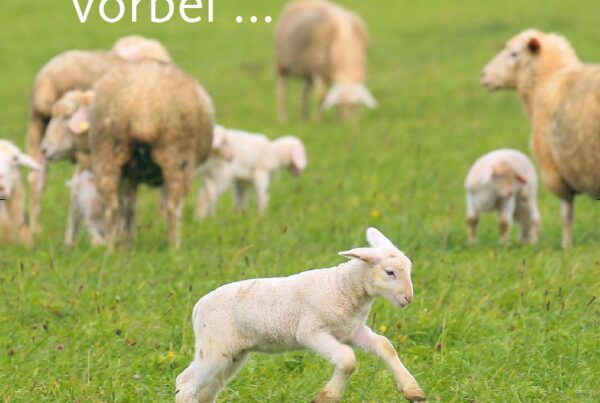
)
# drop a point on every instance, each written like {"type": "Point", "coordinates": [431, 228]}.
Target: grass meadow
{"type": "Point", "coordinates": [489, 323]}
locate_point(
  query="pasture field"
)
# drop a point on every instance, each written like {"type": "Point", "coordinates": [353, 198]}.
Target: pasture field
{"type": "Point", "coordinates": [489, 323]}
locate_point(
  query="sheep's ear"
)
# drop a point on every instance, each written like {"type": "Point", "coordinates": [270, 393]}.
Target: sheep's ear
{"type": "Point", "coordinates": [521, 179]}
{"type": "Point", "coordinates": [299, 157]}
{"type": "Point", "coordinates": [377, 239]}
{"type": "Point", "coordinates": [79, 123]}
{"type": "Point", "coordinates": [534, 45]}
{"type": "Point", "coordinates": [365, 254]}
{"type": "Point", "coordinates": [88, 97]}
{"type": "Point", "coordinates": [25, 160]}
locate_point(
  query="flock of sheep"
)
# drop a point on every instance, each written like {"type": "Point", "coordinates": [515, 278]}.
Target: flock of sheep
{"type": "Point", "coordinates": [130, 116]}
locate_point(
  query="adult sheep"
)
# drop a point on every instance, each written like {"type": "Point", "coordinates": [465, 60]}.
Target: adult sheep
{"type": "Point", "coordinates": [326, 46]}
{"type": "Point", "coordinates": [156, 133]}
{"type": "Point", "coordinates": [561, 97]}
{"type": "Point", "coordinates": [69, 71]}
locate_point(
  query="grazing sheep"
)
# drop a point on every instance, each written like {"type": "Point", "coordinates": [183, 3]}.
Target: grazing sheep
{"type": "Point", "coordinates": [320, 310]}
{"type": "Point", "coordinates": [560, 97]}
{"type": "Point", "coordinates": [136, 47]}
{"type": "Point", "coordinates": [87, 206]}
{"type": "Point", "coordinates": [504, 180]}
{"type": "Point", "coordinates": [326, 46]}
{"type": "Point", "coordinates": [246, 159]}
{"type": "Point", "coordinates": [13, 227]}
{"type": "Point", "coordinates": [68, 71]}
{"type": "Point", "coordinates": [156, 134]}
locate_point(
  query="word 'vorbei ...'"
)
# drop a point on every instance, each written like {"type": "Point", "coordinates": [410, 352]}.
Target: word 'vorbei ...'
{"type": "Point", "coordinates": [188, 10]}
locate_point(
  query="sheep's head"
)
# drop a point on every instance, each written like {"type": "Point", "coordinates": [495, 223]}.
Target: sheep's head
{"type": "Point", "coordinates": [348, 97]}
{"type": "Point", "coordinates": [291, 154]}
{"type": "Point", "coordinates": [186, 384]}
{"type": "Point", "coordinates": [69, 126]}
{"type": "Point", "coordinates": [504, 70]}
{"type": "Point", "coordinates": [10, 159]}
{"type": "Point", "coordinates": [136, 48]}
{"type": "Point", "coordinates": [389, 269]}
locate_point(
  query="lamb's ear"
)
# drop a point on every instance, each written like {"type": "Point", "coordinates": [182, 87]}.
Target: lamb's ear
{"type": "Point", "coordinates": [377, 239]}
{"type": "Point", "coordinates": [534, 45]}
{"type": "Point", "coordinates": [365, 254]}
{"type": "Point", "coordinates": [25, 160]}
{"type": "Point", "coordinates": [299, 157]}
{"type": "Point", "coordinates": [79, 123]}
{"type": "Point", "coordinates": [521, 179]}
{"type": "Point", "coordinates": [88, 97]}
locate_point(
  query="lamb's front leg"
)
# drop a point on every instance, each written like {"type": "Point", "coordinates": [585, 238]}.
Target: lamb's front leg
{"type": "Point", "coordinates": [340, 355]}
{"type": "Point", "coordinates": [73, 223]}
{"type": "Point", "coordinates": [207, 199]}
{"type": "Point", "coordinates": [261, 184]}
{"type": "Point", "coordinates": [505, 218]}
{"type": "Point", "coordinates": [379, 345]}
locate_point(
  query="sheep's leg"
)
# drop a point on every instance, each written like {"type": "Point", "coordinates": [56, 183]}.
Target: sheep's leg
{"type": "Point", "coordinates": [567, 212]}
{"type": "Point", "coordinates": [340, 355]}
{"type": "Point", "coordinates": [505, 218]}
{"type": "Point", "coordinates": [241, 195]}
{"type": "Point", "coordinates": [35, 134]}
{"type": "Point", "coordinates": [73, 223]}
{"type": "Point", "coordinates": [321, 89]}
{"type": "Point", "coordinates": [129, 198]}
{"type": "Point", "coordinates": [379, 345]}
{"type": "Point", "coordinates": [282, 98]}
{"type": "Point", "coordinates": [261, 184]}
{"type": "Point", "coordinates": [308, 86]}
{"type": "Point", "coordinates": [472, 220]}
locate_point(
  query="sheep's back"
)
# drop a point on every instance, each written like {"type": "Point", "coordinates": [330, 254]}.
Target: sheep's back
{"type": "Point", "coordinates": [575, 130]}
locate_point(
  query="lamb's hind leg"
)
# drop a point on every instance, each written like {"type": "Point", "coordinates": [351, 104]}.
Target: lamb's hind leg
{"type": "Point", "coordinates": [206, 376]}
{"type": "Point", "coordinates": [567, 212]}
{"type": "Point", "coordinates": [371, 342]}
{"type": "Point", "coordinates": [340, 355]}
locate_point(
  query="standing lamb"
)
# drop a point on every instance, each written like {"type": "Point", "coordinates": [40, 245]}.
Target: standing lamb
{"type": "Point", "coordinates": [12, 194]}
{"type": "Point", "coordinates": [157, 134]}
{"type": "Point", "coordinates": [246, 159]}
{"type": "Point", "coordinates": [504, 180]}
{"type": "Point", "coordinates": [68, 71]}
{"type": "Point", "coordinates": [326, 46]}
{"type": "Point", "coordinates": [86, 206]}
{"type": "Point", "coordinates": [320, 310]}
{"type": "Point", "coordinates": [560, 97]}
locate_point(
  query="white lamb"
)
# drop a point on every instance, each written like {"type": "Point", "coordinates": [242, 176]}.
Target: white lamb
{"type": "Point", "coordinates": [87, 206]}
{"type": "Point", "coordinates": [245, 159]}
{"type": "Point", "coordinates": [321, 310]}
{"type": "Point", "coordinates": [504, 180]}
{"type": "Point", "coordinates": [13, 227]}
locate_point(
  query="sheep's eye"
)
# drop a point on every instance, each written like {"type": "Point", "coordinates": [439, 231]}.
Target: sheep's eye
{"type": "Point", "coordinates": [513, 54]}
{"type": "Point", "coordinates": [390, 273]}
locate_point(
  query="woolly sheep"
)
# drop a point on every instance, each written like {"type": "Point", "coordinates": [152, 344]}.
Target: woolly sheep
{"type": "Point", "coordinates": [504, 180]}
{"type": "Point", "coordinates": [156, 134]}
{"type": "Point", "coordinates": [87, 207]}
{"type": "Point", "coordinates": [13, 227]}
{"type": "Point", "coordinates": [246, 159]}
{"type": "Point", "coordinates": [321, 310]}
{"type": "Point", "coordinates": [559, 95]}
{"type": "Point", "coordinates": [326, 46]}
{"type": "Point", "coordinates": [65, 72]}
{"type": "Point", "coordinates": [136, 47]}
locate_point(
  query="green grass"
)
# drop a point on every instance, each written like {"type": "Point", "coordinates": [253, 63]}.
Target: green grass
{"type": "Point", "coordinates": [488, 323]}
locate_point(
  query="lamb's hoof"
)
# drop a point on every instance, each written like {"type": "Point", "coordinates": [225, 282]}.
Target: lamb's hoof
{"type": "Point", "coordinates": [414, 395]}
{"type": "Point", "coordinates": [325, 396]}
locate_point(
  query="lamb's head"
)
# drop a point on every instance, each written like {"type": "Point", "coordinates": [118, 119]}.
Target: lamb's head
{"type": "Point", "coordinates": [136, 48]}
{"type": "Point", "coordinates": [348, 97]}
{"type": "Point", "coordinates": [291, 154]}
{"type": "Point", "coordinates": [221, 144]}
{"type": "Point", "coordinates": [186, 384]}
{"type": "Point", "coordinates": [10, 159]}
{"type": "Point", "coordinates": [518, 63]}
{"type": "Point", "coordinates": [505, 178]}
{"type": "Point", "coordinates": [389, 269]}
{"type": "Point", "coordinates": [68, 129]}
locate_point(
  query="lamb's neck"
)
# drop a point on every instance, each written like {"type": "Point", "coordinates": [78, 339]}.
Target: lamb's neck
{"type": "Point", "coordinates": [352, 283]}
